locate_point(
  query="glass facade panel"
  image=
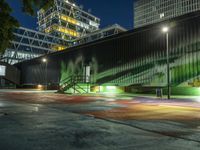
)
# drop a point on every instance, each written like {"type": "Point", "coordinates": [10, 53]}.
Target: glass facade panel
{"type": "Point", "coordinates": [151, 11]}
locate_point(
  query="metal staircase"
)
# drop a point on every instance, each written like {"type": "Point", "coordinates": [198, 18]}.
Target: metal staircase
{"type": "Point", "coordinates": [73, 82]}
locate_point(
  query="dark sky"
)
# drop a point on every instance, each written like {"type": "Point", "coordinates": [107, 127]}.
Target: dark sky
{"type": "Point", "coordinates": [109, 11]}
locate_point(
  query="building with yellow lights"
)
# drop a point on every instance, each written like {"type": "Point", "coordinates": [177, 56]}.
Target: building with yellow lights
{"type": "Point", "coordinates": [61, 26]}
{"type": "Point", "coordinates": [67, 20]}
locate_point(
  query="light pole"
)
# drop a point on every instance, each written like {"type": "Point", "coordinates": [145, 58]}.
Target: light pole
{"type": "Point", "coordinates": [166, 31]}
{"type": "Point", "coordinates": [44, 60]}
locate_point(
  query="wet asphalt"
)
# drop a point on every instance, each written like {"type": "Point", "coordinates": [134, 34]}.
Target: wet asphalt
{"type": "Point", "coordinates": [35, 120]}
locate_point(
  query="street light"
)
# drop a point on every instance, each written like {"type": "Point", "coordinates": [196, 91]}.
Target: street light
{"type": "Point", "coordinates": [44, 60]}
{"type": "Point", "coordinates": [166, 31]}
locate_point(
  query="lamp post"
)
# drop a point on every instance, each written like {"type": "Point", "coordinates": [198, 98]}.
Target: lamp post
{"type": "Point", "coordinates": [44, 60]}
{"type": "Point", "coordinates": [166, 31]}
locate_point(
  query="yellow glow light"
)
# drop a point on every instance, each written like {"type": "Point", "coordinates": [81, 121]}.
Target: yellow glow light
{"type": "Point", "coordinates": [69, 19]}
{"type": "Point", "coordinates": [58, 47]}
{"type": "Point", "coordinates": [39, 87]}
{"type": "Point", "coordinates": [63, 30]}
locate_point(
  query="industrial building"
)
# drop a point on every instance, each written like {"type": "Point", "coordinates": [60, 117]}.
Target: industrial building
{"type": "Point", "coordinates": [152, 11]}
{"type": "Point", "coordinates": [135, 58]}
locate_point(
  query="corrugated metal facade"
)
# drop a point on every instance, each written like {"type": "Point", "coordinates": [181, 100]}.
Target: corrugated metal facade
{"type": "Point", "coordinates": [136, 57]}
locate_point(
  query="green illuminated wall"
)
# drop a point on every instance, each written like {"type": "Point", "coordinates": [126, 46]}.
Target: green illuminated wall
{"type": "Point", "coordinates": [136, 58]}
{"type": "Point", "coordinates": [140, 58]}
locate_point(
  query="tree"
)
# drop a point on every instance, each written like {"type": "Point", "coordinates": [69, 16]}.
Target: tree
{"type": "Point", "coordinates": [29, 6]}
{"type": "Point", "coordinates": [9, 23]}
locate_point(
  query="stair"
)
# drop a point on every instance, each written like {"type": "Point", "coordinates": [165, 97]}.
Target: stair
{"type": "Point", "coordinates": [73, 82]}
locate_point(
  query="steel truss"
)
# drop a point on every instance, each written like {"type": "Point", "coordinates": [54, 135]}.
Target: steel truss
{"type": "Point", "coordinates": [28, 44]}
{"type": "Point", "coordinates": [99, 34]}
{"type": "Point", "coordinates": [85, 22]}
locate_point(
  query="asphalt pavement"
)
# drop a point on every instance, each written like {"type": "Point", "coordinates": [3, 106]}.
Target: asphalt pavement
{"type": "Point", "coordinates": [35, 120]}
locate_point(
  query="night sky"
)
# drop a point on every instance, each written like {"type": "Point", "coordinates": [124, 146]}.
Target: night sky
{"type": "Point", "coordinates": [109, 11]}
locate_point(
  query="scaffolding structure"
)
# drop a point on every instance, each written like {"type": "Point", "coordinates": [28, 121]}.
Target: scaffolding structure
{"type": "Point", "coordinates": [67, 20]}
{"type": "Point", "coordinates": [99, 34]}
{"type": "Point", "coordinates": [28, 44]}
{"type": "Point", "coordinates": [61, 26]}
